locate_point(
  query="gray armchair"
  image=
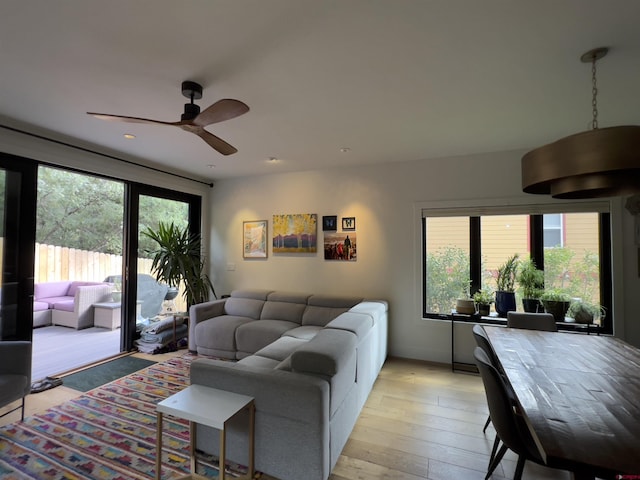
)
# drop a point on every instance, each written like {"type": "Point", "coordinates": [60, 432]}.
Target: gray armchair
{"type": "Point", "coordinates": [15, 374]}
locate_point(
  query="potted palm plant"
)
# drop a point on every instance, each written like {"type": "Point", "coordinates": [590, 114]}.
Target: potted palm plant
{"type": "Point", "coordinates": [505, 282]}
{"type": "Point", "coordinates": [177, 259]}
{"type": "Point", "coordinates": [532, 282]}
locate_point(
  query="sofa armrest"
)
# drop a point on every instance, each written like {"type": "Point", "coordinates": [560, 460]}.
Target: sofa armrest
{"type": "Point", "coordinates": [201, 312]}
{"type": "Point", "coordinates": [303, 398]}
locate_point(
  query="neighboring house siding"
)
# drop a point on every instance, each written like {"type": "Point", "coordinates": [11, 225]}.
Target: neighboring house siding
{"type": "Point", "coordinates": [504, 235]}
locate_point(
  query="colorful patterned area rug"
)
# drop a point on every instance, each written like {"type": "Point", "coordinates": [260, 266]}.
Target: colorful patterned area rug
{"type": "Point", "coordinates": [108, 433]}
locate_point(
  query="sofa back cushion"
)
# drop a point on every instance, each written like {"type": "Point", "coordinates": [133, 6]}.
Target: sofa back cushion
{"type": "Point", "coordinates": [291, 312]}
{"type": "Point", "coordinates": [50, 289]}
{"type": "Point", "coordinates": [73, 288]}
{"type": "Point", "coordinates": [321, 309]}
{"type": "Point", "coordinates": [244, 307]}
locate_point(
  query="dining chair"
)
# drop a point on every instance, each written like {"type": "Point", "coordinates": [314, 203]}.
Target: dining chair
{"type": "Point", "coordinates": [15, 373]}
{"type": "Point", "coordinates": [532, 321]}
{"type": "Point", "coordinates": [482, 341]}
{"type": "Point", "coordinates": [510, 426]}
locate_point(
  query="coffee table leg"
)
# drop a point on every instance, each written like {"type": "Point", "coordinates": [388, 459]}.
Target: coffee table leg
{"type": "Point", "coordinates": [158, 445]}
{"type": "Point", "coordinates": [221, 461]}
{"type": "Point", "coordinates": [192, 447]}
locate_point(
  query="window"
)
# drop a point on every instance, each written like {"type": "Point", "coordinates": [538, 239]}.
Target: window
{"type": "Point", "coordinates": [552, 223]}
{"type": "Point", "coordinates": [464, 248]}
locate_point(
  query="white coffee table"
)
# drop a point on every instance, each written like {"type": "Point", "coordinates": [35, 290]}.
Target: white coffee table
{"type": "Point", "coordinates": [206, 406]}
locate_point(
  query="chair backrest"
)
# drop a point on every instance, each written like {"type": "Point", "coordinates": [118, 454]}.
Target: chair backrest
{"type": "Point", "coordinates": [510, 430]}
{"type": "Point", "coordinates": [532, 321]}
{"type": "Point", "coordinates": [482, 341]}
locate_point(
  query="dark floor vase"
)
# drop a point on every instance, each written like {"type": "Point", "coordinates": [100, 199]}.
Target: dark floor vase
{"type": "Point", "coordinates": [505, 302]}
{"type": "Point", "coordinates": [557, 309]}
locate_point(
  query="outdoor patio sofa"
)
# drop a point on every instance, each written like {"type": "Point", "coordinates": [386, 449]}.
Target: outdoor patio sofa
{"type": "Point", "coordinates": [309, 361]}
{"type": "Point", "coordinates": [68, 303]}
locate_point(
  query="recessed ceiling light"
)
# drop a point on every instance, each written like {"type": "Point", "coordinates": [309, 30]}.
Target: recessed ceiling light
{"type": "Point", "coordinates": [273, 160]}
{"type": "Point", "coordinates": [129, 136]}
{"type": "Point", "coordinates": [345, 149]}
{"type": "Point", "coordinates": [211, 165]}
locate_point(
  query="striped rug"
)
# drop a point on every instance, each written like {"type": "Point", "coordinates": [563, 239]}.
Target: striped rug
{"type": "Point", "coordinates": [108, 433]}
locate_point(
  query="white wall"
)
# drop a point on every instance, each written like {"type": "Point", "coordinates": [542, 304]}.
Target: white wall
{"type": "Point", "coordinates": [386, 201]}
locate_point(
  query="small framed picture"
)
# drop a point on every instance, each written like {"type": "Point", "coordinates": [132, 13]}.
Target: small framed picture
{"type": "Point", "coordinates": [254, 239]}
{"type": "Point", "coordinates": [348, 223]}
{"type": "Point", "coordinates": [330, 222]}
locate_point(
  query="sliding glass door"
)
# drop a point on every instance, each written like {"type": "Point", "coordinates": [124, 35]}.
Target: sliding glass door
{"type": "Point", "coordinates": [17, 213]}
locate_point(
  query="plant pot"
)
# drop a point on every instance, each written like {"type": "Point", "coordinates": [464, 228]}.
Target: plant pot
{"type": "Point", "coordinates": [505, 302]}
{"type": "Point", "coordinates": [483, 309]}
{"type": "Point", "coordinates": [557, 309]}
{"type": "Point", "coordinates": [532, 305]}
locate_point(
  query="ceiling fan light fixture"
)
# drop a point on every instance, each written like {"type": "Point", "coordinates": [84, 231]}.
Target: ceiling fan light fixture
{"type": "Point", "coordinates": [601, 162]}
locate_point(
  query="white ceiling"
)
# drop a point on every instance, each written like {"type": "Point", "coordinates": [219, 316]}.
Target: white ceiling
{"type": "Point", "coordinates": [392, 80]}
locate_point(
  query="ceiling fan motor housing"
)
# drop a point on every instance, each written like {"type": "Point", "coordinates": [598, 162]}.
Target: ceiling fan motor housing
{"type": "Point", "coordinates": [191, 111]}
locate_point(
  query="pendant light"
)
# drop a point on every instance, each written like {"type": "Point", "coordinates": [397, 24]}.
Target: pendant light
{"type": "Point", "coordinates": [601, 162]}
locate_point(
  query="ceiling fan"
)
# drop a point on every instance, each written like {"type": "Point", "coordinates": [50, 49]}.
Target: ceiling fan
{"type": "Point", "coordinates": [192, 120]}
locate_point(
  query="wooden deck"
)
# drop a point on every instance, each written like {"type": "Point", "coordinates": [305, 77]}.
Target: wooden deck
{"type": "Point", "coordinates": [59, 349]}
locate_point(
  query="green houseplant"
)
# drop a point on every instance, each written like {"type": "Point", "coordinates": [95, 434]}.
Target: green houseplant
{"type": "Point", "coordinates": [177, 259]}
{"type": "Point", "coordinates": [505, 283]}
{"type": "Point", "coordinates": [586, 312]}
{"type": "Point", "coordinates": [556, 302]}
{"type": "Point", "coordinates": [483, 300]}
{"type": "Point", "coordinates": [532, 282]}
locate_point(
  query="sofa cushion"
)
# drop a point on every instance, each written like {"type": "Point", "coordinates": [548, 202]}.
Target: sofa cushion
{"type": "Point", "coordinates": [331, 354]}
{"type": "Point", "coordinates": [64, 305]}
{"type": "Point", "coordinates": [320, 316]}
{"type": "Point", "coordinates": [281, 348]}
{"type": "Point", "coordinates": [252, 336]}
{"type": "Point", "coordinates": [333, 301]}
{"type": "Point", "coordinates": [244, 307]}
{"type": "Point", "coordinates": [50, 289]}
{"type": "Point", "coordinates": [291, 312]}
{"type": "Point", "coordinates": [219, 332]}
{"type": "Point", "coordinates": [305, 332]}
{"type": "Point", "coordinates": [39, 306]}
{"type": "Point", "coordinates": [357, 323]}
{"type": "Point", "coordinates": [256, 361]}
{"type": "Point", "coordinates": [289, 297]}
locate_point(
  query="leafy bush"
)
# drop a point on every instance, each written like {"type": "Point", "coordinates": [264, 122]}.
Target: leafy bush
{"type": "Point", "coordinates": [448, 278]}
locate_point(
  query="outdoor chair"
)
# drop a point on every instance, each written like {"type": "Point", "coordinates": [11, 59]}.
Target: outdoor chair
{"type": "Point", "coordinates": [532, 321]}
{"type": "Point", "coordinates": [15, 374]}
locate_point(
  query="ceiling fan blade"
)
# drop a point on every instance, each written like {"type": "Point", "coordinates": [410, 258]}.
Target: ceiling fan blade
{"type": "Point", "coordinates": [121, 118]}
{"type": "Point", "coordinates": [220, 111]}
{"type": "Point", "coordinates": [216, 142]}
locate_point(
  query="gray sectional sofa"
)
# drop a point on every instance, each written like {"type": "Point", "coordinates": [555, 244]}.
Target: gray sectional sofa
{"type": "Point", "coordinates": [309, 361]}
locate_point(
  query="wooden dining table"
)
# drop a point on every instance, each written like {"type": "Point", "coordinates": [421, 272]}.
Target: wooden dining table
{"type": "Point", "coordinates": [579, 395]}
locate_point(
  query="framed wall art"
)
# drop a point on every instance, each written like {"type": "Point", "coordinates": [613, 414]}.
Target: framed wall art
{"type": "Point", "coordinates": [348, 223]}
{"type": "Point", "coordinates": [340, 246]}
{"type": "Point", "coordinates": [254, 239]}
{"type": "Point", "coordinates": [329, 222]}
{"type": "Point", "coordinates": [295, 233]}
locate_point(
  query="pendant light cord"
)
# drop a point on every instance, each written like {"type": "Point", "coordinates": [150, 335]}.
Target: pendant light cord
{"type": "Point", "coordinates": [594, 95]}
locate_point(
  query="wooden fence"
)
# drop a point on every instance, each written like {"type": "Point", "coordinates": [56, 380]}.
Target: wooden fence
{"type": "Point", "coordinates": [54, 263]}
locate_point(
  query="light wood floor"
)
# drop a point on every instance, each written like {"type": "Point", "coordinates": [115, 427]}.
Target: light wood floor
{"type": "Point", "coordinates": [421, 421]}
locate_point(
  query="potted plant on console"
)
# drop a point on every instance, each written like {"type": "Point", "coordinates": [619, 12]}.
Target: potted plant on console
{"type": "Point", "coordinates": [483, 300]}
{"type": "Point", "coordinates": [532, 282]}
{"type": "Point", "coordinates": [556, 302]}
{"type": "Point", "coordinates": [586, 312]}
{"type": "Point", "coordinates": [505, 282]}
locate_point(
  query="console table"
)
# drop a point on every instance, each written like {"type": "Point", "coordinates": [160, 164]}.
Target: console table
{"type": "Point", "coordinates": [206, 406]}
